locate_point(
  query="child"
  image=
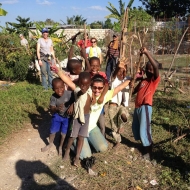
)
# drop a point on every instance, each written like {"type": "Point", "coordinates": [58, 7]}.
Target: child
{"type": "Point", "coordinates": [59, 104]}
{"type": "Point", "coordinates": [74, 66]}
{"type": "Point", "coordinates": [117, 107]}
{"type": "Point", "coordinates": [143, 105]}
{"type": "Point", "coordinates": [83, 98]}
{"type": "Point", "coordinates": [94, 70]}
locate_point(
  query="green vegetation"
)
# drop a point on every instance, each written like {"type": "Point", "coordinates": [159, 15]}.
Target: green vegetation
{"type": "Point", "coordinates": [18, 103]}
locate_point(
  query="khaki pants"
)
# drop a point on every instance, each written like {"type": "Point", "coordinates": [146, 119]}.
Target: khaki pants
{"type": "Point", "coordinates": [117, 123]}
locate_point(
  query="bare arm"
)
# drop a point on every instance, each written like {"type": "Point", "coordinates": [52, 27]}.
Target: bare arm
{"type": "Point", "coordinates": [101, 98]}
{"type": "Point", "coordinates": [64, 77]}
{"type": "Point", "coordinates": [152, 61]}
{"type": "Point", "coordinates": [87, 64]}
{"type": "Point", "coordinates": [72, 47]}
{"type": "Point", "coordinates": [121, 87]}
{"type": "Point", "coordinates": [38, 54]}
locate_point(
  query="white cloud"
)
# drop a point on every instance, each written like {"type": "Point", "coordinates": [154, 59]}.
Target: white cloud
{"type": "Point", "coordinates": [44, 2]}
{"type": "Point", "coordinates": [9, 2]}
{"type": "Point", "coordinates": [99, 8]}
{"type": "Point", "coordinates": [75, 8]}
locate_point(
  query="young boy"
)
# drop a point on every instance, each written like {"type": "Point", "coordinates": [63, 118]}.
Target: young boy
{"type": "Point", "coordinates": [83, 98]}
{"type": "Point", "coordinates": [60, 101]}
{"type": "Point", "coordinates": [117, 111]}
{"type": "Point", "coordinates": [143, 105]}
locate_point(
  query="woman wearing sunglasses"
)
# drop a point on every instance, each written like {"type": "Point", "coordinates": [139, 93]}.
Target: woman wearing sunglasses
{"type": "Point", "coordinates": [94, 50]}
{"type": "Point", "coordinates": [96, 139]}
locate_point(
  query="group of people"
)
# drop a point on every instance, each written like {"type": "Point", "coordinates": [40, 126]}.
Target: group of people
{"type": "Point", "coordinates": [77, 104]}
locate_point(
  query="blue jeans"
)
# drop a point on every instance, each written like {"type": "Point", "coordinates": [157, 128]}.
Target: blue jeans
{"type": "Point", "coordinates": [96, 139]}
{"type": "Point", "coordinates": [141, 125]}
{"type": "Point", "coordinates": [45, 69]}
{"type": "Point", "coordinates": [111, 64]}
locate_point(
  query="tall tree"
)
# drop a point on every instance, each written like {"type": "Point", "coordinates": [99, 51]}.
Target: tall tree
{"type": "Point", "coordinates": [118, 14]}
{"type": "Point", "coordinates": [96, 25]}
{"type": "Point", "coordinates": [77, 20]}
{"type": "Point", "coordinates": [167, 9]}
{"type": "Point", "coordinates": [21, 27]}
{"type": "Point", "coordinates": [108, 24]}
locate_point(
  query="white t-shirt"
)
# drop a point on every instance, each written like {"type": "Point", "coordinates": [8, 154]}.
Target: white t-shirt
{"type": "Point", "coordinates": [24, 42]}
{"type": "Point", "coordinates": [93, 51]}
{"type": "Point", "coordinates": [45, 45]}
{"type": "Point", "coordinates": [122, 96]}
{"type": "Point", "coordinates": [96, 110]}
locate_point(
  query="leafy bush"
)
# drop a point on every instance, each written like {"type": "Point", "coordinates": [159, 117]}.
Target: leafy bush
{"type": "Point", "coordinates": [14, 58]}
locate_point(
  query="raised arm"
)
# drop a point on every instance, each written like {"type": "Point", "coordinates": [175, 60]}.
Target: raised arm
{"type": "Point", "coordinates": [152, 61]}
{"type": "Point", "coordinates": [87, 64]}
{"type": "Point", "coordinates": [121, 87]}
{"type": "Point", "coordinates": [64, 77]}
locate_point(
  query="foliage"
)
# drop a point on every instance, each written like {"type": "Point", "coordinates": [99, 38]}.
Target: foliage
{"type": "Point", "coordinates": [140, 18]}
{"type": "Point", "coordinates": [76, 20]}
{"type": "Point", "coordinates": [136, 16]}
{"type": "Point", "coordinates": [2, 11]}
{"type": "Point", "coordinates": [14, 58]}
{"type": "Point", "coordinates": [108, 24]}
{"type": "Point", "coordinates": [21, 27]}
{"type": "Point", "coordinates": [48, 22]}
{"type": "Point", "coordinates": [168, 35]}
{"type": "Point", "coordinates": [96, 25]}
{"type": "Point", "coordinates": [166, 9]}
{"type": "Point", "coordinates": [17, 102]}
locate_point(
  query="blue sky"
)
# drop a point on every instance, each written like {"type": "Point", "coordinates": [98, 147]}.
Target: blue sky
{"type": "Point", "coordinates": [40, 10]}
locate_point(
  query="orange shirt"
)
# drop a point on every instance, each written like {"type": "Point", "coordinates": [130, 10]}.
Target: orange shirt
{"type": "Point", "coordinates": [146, 89]}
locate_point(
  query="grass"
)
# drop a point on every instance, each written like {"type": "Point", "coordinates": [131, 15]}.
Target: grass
{"type": "Point", "coordinates": [122, 169]}
{"type": "Point", "coordinates": [17, 103]}
{"type": "Point", "coordinates": [125, 169]}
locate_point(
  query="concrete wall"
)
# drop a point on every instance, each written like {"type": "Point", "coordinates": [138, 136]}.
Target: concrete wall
{"type": "Point", "coordinates": [98, 33]}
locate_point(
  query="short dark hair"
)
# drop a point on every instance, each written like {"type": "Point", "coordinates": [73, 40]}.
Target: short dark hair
{"type": "Point", "coordinates": [84, 75]}
{"type": "Point", "coordinates": [98, 78]}
{"type": "Point", "coordinates": [94, 59]}
{"type": "Point", "coordinates": [55, 80]}
{"type": "Point", "coordinates": [72, 62]}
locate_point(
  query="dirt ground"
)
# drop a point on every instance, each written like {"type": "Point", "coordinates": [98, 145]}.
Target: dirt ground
{"type": "Point", "coordinates": [24, 166]}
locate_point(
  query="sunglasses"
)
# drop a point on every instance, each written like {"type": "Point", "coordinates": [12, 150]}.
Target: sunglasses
{"type": "Point", "coordinates": [99, 87]}
{"type": "Point", "coordinates": [93, 42]}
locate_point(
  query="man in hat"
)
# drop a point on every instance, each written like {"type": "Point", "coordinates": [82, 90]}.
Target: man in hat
{"type": "Point", "coordinates": [113, 55]}
{"type": "Point", "coordinates": [46, 57]}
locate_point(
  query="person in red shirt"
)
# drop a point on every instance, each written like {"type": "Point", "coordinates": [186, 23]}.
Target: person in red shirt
{"type": "Point", "coordinates": [143, 105]}
{"type": "Point", "coordinates": [81, 43]}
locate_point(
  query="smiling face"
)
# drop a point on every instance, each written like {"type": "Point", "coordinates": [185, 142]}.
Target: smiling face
{"type": "Point", "coordinates": [45, 35]}
{"type": "Point", "coordinates": [121, 74]}
{"type": "Point", "coordinates": [58, 87]}
{"type": "Point", "coordinates": [97, 88]}
{"type": "Point", "coordinates": [84, 84]}
{"type": "Point", "coordinates": [95, 66]}
{"type": "Point", "coordinates": [94, 42]}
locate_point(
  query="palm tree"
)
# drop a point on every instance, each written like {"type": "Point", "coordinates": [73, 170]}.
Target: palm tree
{"type": "Point", "coordinates": [22, 26]}
{"type": "Point", "coordinates": [77, 20]}
{"type": "Point", "coordinates": [118, 14]}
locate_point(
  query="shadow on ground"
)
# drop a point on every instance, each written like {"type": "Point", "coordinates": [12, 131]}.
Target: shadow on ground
{"type": "Point", "coordinates": [26, 171]}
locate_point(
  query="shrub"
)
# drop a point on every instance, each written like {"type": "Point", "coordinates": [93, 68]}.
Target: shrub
{"type": "Point", "coordinates": [14, 58]}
